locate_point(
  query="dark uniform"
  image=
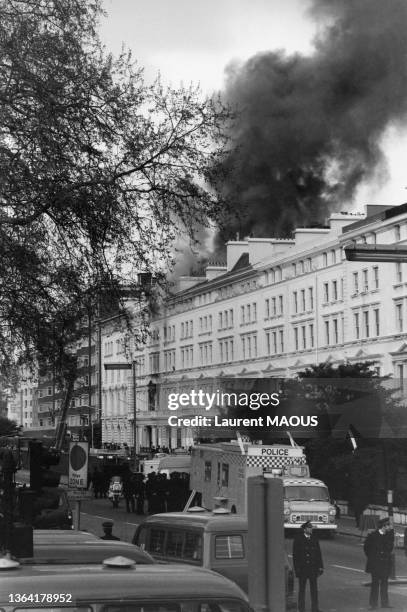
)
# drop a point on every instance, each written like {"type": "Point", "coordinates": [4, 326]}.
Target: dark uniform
{"type": "Point", "coordinates": [378, 549]}
{"type": "Point", "coordinates": [139, 492]}
{"type": "Point", "coordinates": [308, 565]}
{"type": "Point", "coordinates": [107, 528]}
{"type": "Point", "coordinates": [128, 492]}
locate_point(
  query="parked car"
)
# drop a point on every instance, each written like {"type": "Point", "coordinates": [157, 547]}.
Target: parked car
{"type": "Point", "coordinates": [81, 548]}
{"type": "Point", "coordinates": [117, 585]}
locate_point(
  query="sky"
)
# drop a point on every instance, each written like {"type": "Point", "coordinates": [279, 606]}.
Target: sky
{"type": "Point", "coordinates": [194, 41]}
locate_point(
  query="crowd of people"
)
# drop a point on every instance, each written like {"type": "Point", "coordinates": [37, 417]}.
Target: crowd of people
{"type": "Point", "coordinates": [156, 493]}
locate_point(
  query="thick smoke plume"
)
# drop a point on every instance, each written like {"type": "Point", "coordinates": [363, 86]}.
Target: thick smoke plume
{"type": "Point", "coordinates": [310, 126]}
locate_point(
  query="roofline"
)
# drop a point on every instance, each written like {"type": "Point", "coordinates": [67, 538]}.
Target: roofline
{"type": "Point", "coordinates": [210, 284]}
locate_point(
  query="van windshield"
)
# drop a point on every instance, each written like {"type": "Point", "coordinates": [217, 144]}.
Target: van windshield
{"type": "Point", "coordinates": [303, 493]}
{"type": "Point", "coordinates": [201, 605]}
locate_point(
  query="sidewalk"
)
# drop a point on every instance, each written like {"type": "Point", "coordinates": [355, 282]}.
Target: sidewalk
{"type": "Point", "coordinates": [347, 526]}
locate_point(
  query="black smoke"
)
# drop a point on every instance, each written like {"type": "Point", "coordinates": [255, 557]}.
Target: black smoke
{"type": "Point", "coordinates": [309, 126]}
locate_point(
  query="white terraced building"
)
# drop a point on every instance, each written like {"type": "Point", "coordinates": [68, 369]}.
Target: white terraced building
{"type": "Point", "coordinates": [276, 307]}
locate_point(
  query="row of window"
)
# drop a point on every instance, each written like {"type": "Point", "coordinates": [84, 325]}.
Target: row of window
{"type": "Point", "coordinates": [303, 336]}
{"type": "Point", "coordinates": [248, 313]}
{"type": "Point", "coordinates": [225, 320]}
{"type": "Point", "coordinates": [303, 266]}
{"type": "Point", "coordinates": [169, 333]}
{"type": "Point", "coordinates": [361, 282]}
{"type": "Point", "coordinates": [274, 307]}
{"type": "Point", "coordinates": [330, 257]}
{"type": "Point", "coordinates": [330, 291]}
{"type": "Point", "coordinates": [303, 300]}
{"type": "Point", "coordinates": [367, 323]}
{"type": "Point", "coordinates": [205, 324]}
{"type": "Point", "coordinates": [169, 360]}
{"type": "Point", "coordinates": [187, 329]}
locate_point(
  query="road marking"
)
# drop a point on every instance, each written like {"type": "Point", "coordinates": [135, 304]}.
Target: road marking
{"type": "Point", "coordinates": [351, 569]}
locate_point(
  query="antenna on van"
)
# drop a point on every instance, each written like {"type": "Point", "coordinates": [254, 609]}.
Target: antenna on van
{"type": "Point", "coordinates": [240, 442]}
{"type": "Point", "coordinates": [292, 441]}
{"type": "Point", "coordinates": [352, 439]}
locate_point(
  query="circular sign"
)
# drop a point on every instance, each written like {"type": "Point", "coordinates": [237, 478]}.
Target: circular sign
{"type": "Point", "coordinates": [77, 458]}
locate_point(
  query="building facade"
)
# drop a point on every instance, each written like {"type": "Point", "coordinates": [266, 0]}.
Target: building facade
{"type": "Point", "coordinates": [275, 308]}
{"type": "Point", "coordinates": [22, 404]}
{"type": "Point", "coordinates": [36, 404]}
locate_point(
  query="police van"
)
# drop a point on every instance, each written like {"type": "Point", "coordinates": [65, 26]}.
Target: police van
{"type": "Point", "coordinates": [117, 585]}
{"type": "Point", "coordinates": [219, 474]}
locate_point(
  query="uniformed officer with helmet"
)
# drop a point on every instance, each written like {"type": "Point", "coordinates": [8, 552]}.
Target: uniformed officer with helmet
{"type": "Point", "coordinates": [308, 565]}
{"type": "Point", "coordinates": [108, 528]}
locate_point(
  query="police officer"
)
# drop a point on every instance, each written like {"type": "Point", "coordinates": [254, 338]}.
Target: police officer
{"type": "Point", "coordinates": [378, 549]}
{"type": "Point", "coordinates": [139, 491]}
{"type": "Point", "coordinates": [107, 528]}
{"type": "Point", "coordinates": [308, 565]}
{"type": "Point", "coordinates": [128, 491]}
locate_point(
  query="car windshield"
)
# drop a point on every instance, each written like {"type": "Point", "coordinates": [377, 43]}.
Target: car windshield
{"type": "Point", "coordinates": [303, 493]}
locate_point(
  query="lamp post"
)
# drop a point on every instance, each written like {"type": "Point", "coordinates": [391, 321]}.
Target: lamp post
{"type": "Point", "coordinates": [135, 461]}
{"type": "Point", "coordinates": [90, 373]}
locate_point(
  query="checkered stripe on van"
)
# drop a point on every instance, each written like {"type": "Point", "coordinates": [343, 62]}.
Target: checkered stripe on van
{"type": "Point", "coordinates": [234, 458]}
{"type": "Point", "coordinates": [273, 462]}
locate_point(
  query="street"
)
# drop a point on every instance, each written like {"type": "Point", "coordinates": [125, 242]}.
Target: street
{"type": "Point", "coordinates": [342, 588]}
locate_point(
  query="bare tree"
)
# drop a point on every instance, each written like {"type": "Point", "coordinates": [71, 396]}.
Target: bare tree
{"type": "Point", "coordinates": [98, 172]}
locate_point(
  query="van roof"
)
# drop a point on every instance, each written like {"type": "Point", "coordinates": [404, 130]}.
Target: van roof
{"type": "Point", "coordinates": [84, 551]}
{"type": "Point", "coordinates": [90, 582]}
{"type": "Point", "coordinates": [209, 522]}
{"type": "Point", "coordinates": [44, 536]}
{"type": "Point", "coordinates": [173, 462]}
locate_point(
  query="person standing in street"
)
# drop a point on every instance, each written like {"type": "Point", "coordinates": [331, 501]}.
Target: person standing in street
{"type": "Point", "coordinates": [108, 529]}
{"type": "Point", "coordinates": [308, 565]}
{"type": "Point", "coordinates": [128, 491]}
{"type": "Point", "coordinates": [378, 549]}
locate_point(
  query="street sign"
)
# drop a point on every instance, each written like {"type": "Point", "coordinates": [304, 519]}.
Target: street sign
{"type": "Point", "coordinates": [78, 465]}
{"type": "Point", "coordinates": [118, 366]}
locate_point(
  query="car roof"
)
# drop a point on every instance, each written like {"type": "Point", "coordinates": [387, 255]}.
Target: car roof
{"type": "Point", "coordinates": [206, 520]}
{"type": "Point", "coordinates": [84, 551]}
{"type": "Point", "coordinates": [97, 582]}
{"type": "Point", "coordinates": [60, 536]}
